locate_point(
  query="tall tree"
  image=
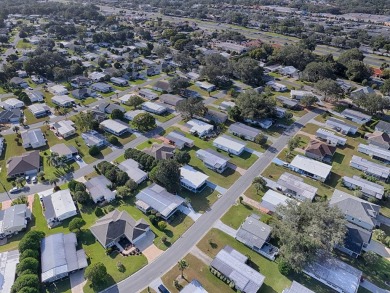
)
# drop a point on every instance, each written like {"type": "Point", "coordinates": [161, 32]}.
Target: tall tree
{"type": "Point", "coordinates": [217, 70]}
{"type": "Point", "coordinates": [253, 105]}
{"type": "Point", "coordinates": [330, 88]}
{"type": "Point", "coordinates": [306, 229]}
{"type": "Point", "coordinates": [96, 273]}
{"type": "Point", "coordinates": [316, 71]}
{"type": "Point", "coordinates": [182, 265]}
{"type": "Point", "coordinates": [167, 174]}
{"type": "Point", "coordinates": [190, 107]}
{"type": "Point", "coordinates": [372, 103]}
{"type": "Point", "coordinates": [248, 71]}
{"type": "Point", "coordinates": [144, 122]}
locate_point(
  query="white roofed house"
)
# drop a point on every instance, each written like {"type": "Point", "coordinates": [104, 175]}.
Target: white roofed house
{"type": "Point", "coordinates": [375, 152]}
{"type": "Point", "coordinates": [199, 128]}
{"type": "Point", "coordinates": [244, 131]}
{"type": "Point", "coordinates": [63, 150]}
{"type": "Point", "coordinates": [98, 189]}
{"type": "Point", "coordinates": [8, 263]}
{"type": "Point", "coordinates": [370, 168]}
{"type": "Point", "coordinates": [35, 96]}
{"type": "Point", "coordinates": [12, 103]}
{"type": "Point", "coordinates": [276, 86]}
{"type": "Point", "coordinates": [58, 90]}
{"type": "Point", "coordinates": [154, 108]}
{"type": "Point", "coordinates": [131, 167]}
{"type": "Point", "coordinates": [148, 94]}
{"type": "Point", "coordinates": [63, 101]}
{"type": "Point", "coordinates": [58, 207]}
{"type": "Point", "coordinates": [297, 288]}
{"type": "Point", "coordinates": [94, 138]}
{"type": "Point", "coordinates": [115, 127]}
{"type": "Point", "coordinates": [311, 168]}
{"type": "Point", "coordinates": [33, 139]}
{"type": "Point", "coordinates": [271, 200]}
{"type": "Point", "coordinates": [368, 188]}
{"type": "Point", "coordinates": [130, 115]}
{"type": "Point", "coordinates": [192, 179]}
{"type": "Point", "coordinates": [206, 86]}
{"type": "Point", "coordinates": [230, 145]}
{"type": "Point", "coordinates": [14, 220]}
{"type": "Point", "coordinates": [356, 116]}
{"type": "Point", "coordinates": [298, 95]}
{"type": "Point", "coordinates": [330, 137]}
{"type": "Point", "coordinates": [179, 140]}
{"type": "Point", "coordinates": [294, 186]}
{"type": "Point", "coordinates": [341, 126]}
{"type": "Point", "coordinates": [63, 128]}
{"type": "Point", "coordinates": [212, 160]}
{"type": "Point", "coordinates": [39, 110]}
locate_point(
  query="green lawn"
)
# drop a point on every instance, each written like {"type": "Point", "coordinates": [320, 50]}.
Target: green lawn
{"type": "Point", "coordinates": [126, 138]}
{"type": "Point", "coordinates": [24, 45]}
{"type": "Point", "coordinates": [148, 143]}
{"type": "Point", "coordinates": [274, 281]}
{"type": "Point", "coordinates": [62, 286]}
{"type": "Point", "coordinates": [202, 201]}
{"type": "Point", "coordinates": [197, 270]}
{"type": "Point", "coordinates": [237, 214]}
{"type": "Point", "coordinates": [164, 118]}
{"type": "Point", "coordinates": [47, 98]}
{"type": "Point", "coordinates": [252, 193]}
{"type": "Point", "coordinates": [31, 119]}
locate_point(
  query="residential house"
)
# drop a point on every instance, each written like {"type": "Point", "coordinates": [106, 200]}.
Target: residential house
{"type": "Point", "coordinates": [58, 90]}
{"type": "Point", "coordinates": [244, 131]}
{"type": "Point", "coordinates": [370, 168]}
{"type": "Point", "coordinates": [158, 198]}
{"type": "Point", "coordinates": [199, 128]}
{"type": "Point", "coordinates": [161, 151]}
{"type": "Point", "coordinates": [179, 140]}
{"type": "Point", "coordinates": [119, 81]}
{"type": "Point", "coordinates": [14, 219]}
{"type": "Point", "coordinates": [229, 144]}
{"type": "Point", "coordinates": [231, 47]}
{"type": "Point", "coordinates": [256, 235]}
{"type": "Point", "coordinates": [97, 115]}
{"type": "Point", "coordinates": [192, 179]}
{"type": "Point", "coordinates": [148, 62]}
{"type": "Point", "coordinates": [383, 126]}
{"type": "Point", "coordinates": [94, 138]}
{"type": "Point", "coordinates": [334, 273]}
{"type": "Point", "coordinates": [83, 93]}
{"type": "Point", "coordinates": [110, 107]}
{"type": "Point", "coordinates": [37, 79]}
{"type": "Point", "coordinates": [289, 71]}
{"type": "Point", "coordinates": [154, 70]}
{"type": "Point", "coordinates": [115, 127]}
{"type": "Point", "coordinates": [193, 287]}
{"type": "Point", "coordinates": [116, 227]}
{"type": "Point", "coordinates": [299, 95]}
{"type": "Point", "coordinates": [187, 93]}
{"type": "Point", "coordinates": [22, 73]}
{"type": "Point", "coordinates": [330, 137]}
{"type": "Point", "coordinates": [18, 82]}
{"type": "Point", "coordinates": [356, 116]}
{"type": "Point", "coordinates": [212, 160]}
{"type": "Point", "coordinates": [63, 101]}
{"type": "Point", "coordinates": [154, 108]}
{"type": "Point", "coordinates": [226, 105]}
{"type": "Point", "coordinates": [39, 110]}
{"type": "Point", "coordinates": [98, 189]}
{"type": "Point", "coordinates": [271, 200]}
{"type": "Point", "coordinates": [58, 207]}
{"type": "Point", "coordinates": [102, 87]}
{"type": "Point", "coordinates": [320, 151]}
{"type": "Point", "coordinates": [233, 265]}
{"type": "Point", "coordinates": [277, 87]}
{"type": "Point", "coordinates": [8, 263]}
{"type": "Point", "coordinates": [162, 86]}
{"type": "Point", "coordinates": [341, 126]}
{"type": "Point", "coordinates": [215, 117]}
{"type": "Point", "coordinates": [2, 144]}
{"type": "Point", "coordinates": [23, 165]}
{"type": "Point", "coordinates": [379, 139]}
{"type": "Point", "coordinates": [206, 86]}
{"type": "Point", "coordinates": [294, 186]}
{"type": "Point", "coordinates": [63, 150]}
{"type": "Point", "coordinates": [131, 167]}
{"type": "Point", "coordinates": [97, 76]}
{"type": "Point", "coordinates": [297, 288]}
{"type": "Point", "coordinates": [12, 103]}
{"type": "Point", "coordinates": [311, 168]}
{"type": "Point", "coordinates": [171, 100]}
{"type": "Point", "coordinates": [357, 211]}
{"type": "Point", "coordinates": [345, 86]}
{"type": "Point", "coordinates": [355, 241]}
{"type": "Point", "coordinates": [361, 92]}
{"type": "Point", "coordinates": [130, 115]}
{"type": "Point", "coordinates": [10, 116]}
{"type": "Point", "coordinates": [80, 82]}
{"type": "Point", "coordinates": [35, 96]}
{"type": "Point", "coordinates": [280, 112]}
{"type": "Point", "coordinates": [33, 139]}
{"type": "Point", "coordinates": [375, 152]}
{"type": "Point", "coordinates": [63, 128]}
{"type": "Point", "coordinates": [368, 188]}
{"type": "Point", "coordinates": [263, 123]}
{"type": "Point", "coordinates": [148, 94]}
{"type": "Point", "coordinates": [60, 257]}
{"type": "Point", "coordinates": [193, 76]}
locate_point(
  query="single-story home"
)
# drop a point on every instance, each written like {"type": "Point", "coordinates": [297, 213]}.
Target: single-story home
{"type": "Point", "coordinates": [226, 105]}
{"type": "Point", "coordinates": [58, 90]}
{"type": "Point", "coordinates": [25, 164]}
{"type": "Point", "coordinates": [362, 91]}
{"type": "Point", "coordinates": [194, 287]}
{"type": "Point", "coordinates": [110, 107]}
{"type": "Point", "coordinates": [154, 108]}
{"type": "Point", "coordinates": [130, 115]}
{"type": "Point", "coordinates": [383, 126]}
{"type": "Point", "coordinates": [18, 82]}
{"type": "Point", "coordinates": [158, 198]}
{"type": "Point", "coordinates": [355, 241]}
{"type": "Point", "coordinates": [299, 95]}
{"type": "Point", "coordinates": [311, 168]}
{"type": "Point", "coordinates": [370, 168]}
{"type": "Point", "coordinates": [379, 139]}
{"type": "Point", "coordinates": [375, 152]}
{"type": "Point", "coordinates": [115, 127]}
{"type": "Point", "coordinates": [10, 116]}
{"type": "Point", "coordinates": [63, 128]}
{"type": "Point", "coordinates": [171, 100]}
{"type": "Point", "coordinates": [206, 86]}
{"type": "Point", "coordinates": [63, 101]}
{"type": "Point", "coordinates": [356, 116]}
{"type": "Point", "coordinates": [199, 128]}
{"type": "Point", "coordinates": [35, 96]}
{"type": "Point", "coordinates": [179, 140]}
{"type": "Point", "coordinates": [297, 288]}
{"type": "Point", "coordinates": [244, 131]}
{"type": "Point", "coordinates": [162, 86]}
{"type": "Point", "coordinates": [83, 93]}
{"type": "Point", "coordinates": [272, 199]}
{"type": "Point", "coordinates": [58, 207]}
{"type": "Point", "coordinates": [320, 151]}
{"type": "Point", "coordinates": [216, 117]}
{"type": "Point", "coordinates": [102, 87]}
{"type": "Point", "coordinates": [131, 167]}
{"type": "Point", "coordinates": [60, 257]}
{"type": "Point", "coordinates": [277, 87]}
{"type": "Point", "coordinates": [98, 189]}
{"type": "Point", "coordinates": [192, 179]}
{"type": "Point", "coordinates": [263, 123]}
{"type": "Point", "coordinates": [212, 160]}
{"type": "Point", "coordinates": [294, 186]}
{"type": "Point", "coordinates": [233, 265]}
{"type": "Point", "coordinates": [33, 138]}
{"type": "Point", "coordinates": [288, 103]}
{"type": "Point", "coordinates": [148, 94]}
{"type": "Point", "coordinates": [118, 228]}
{"type": "Point", "coordinates": [63, 150]}
{"type": "Point", "coordinates": [8, 263]}
{"type": "Point", "coordinates": [330, 137]}
{"type": "Point", "coordinates": [229, 144]}
{"type": "Point", "coordinates": [119, 81]}
{"type": "Point", "coordinates": [14, 219]}
{"type": "Point", "coordinates": [80, 81]}
{"type": "Point", "coordinates": [368, 188]}
{"type": "Point", "coordinates": [12, 103]}
{"type": "Point", "coordinates": [39, 110]}
{"type": "Point", "coordinates": [93, 138]}
{"type": "Point", "coordinates": [341, 126]}
{"type": "Point", "coordinates": [256, 235]}
{"type": "Point", "coordinates": [160, 151]}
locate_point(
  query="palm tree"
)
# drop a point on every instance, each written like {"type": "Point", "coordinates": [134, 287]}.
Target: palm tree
{"type": "Point", "coordinates": [41, 174]}
{"type": "Point", "coordinates": [62, 162]}
{"type": "Point", "coordinates": [19, 181]}
{"type": "Point", "coordinates": [15, 129]}
{"type": "Point", "coordinates": [46, 122]}
{"type": "Point", "coordinates": [182, 265]}
{"type": "Point", "coordinates": [54, 181]}
{"type": "Point", "coordinates": [53, 159]}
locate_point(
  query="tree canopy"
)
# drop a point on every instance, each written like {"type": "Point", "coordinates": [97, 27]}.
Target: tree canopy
{"type": "Point", "coordinates": [167, 174]}
{"type": "Point", "coordinates": [190, 107]}
{"type": "Point", "coordinates": [253, 105]}
{"type": "Point", "coordinates": [144, 122]}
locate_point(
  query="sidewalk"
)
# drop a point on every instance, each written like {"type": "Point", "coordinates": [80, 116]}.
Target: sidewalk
{"type": "Point", "coordinates": [225, 228]}
{"type": "Point", "coordinates": [195, 251]}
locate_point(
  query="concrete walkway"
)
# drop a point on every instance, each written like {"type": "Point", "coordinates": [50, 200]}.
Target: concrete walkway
{"type": "Point", "coordinates": [378, 248]}
{"type": "Point", "coordinates": [77, 281]}
{"type": "Point", "coordinates": [216, 187]}
{"type": "Point", "coordinates": [225, 228]}
{"type": "Point", "coordinates": [155, 283]}
{"type": "Point", "coordinates": [189, 211]}
{"type": "Point", "coordinates": [372, 288]}
{"type": "Point", "coordinates": [195, 251]}
{"type": "Point", "coordinates": [236, 168]}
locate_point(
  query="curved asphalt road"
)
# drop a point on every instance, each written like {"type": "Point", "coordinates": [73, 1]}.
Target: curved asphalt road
{"type": "Point", "coordinates": [183, 245]}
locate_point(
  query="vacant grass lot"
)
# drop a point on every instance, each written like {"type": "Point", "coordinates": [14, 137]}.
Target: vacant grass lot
{"type": "Point", "coordinates": [202, 201]}
{"type": "Point", "coordinates": [237, 214]}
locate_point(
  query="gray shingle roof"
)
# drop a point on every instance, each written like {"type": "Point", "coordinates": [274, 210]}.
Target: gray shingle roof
{"type": "Point", "coordinates": [244, 129]}
{"type": "Point", "coordinates": [253, 232]}
{"type": "Point", "coordinates": [26, 162]}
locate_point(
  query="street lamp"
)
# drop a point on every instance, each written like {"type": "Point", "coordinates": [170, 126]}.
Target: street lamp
{"type": "Point", "coordinates": [1, 183]}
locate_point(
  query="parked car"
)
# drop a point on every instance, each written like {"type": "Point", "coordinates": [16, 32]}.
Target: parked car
{"type": "Point", "coordinates": [34, 179]}
{"type": "Point", "coordinates": [14, 190]}
{"type": "Point", "coordinates": [27, 178]}
{"type": "Point", "coordinates": [78, 158]}
{"type": "Point", "coordinates": [162, 289]}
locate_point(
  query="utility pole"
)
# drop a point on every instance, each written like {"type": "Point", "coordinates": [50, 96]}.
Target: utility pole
{"type": "Point", "coordinates": [1, 183]}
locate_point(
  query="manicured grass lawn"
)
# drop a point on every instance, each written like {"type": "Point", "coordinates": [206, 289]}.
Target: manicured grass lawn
{"type": "Point", "coordinates": [31, 119]}
{"type": "Point", "coordinates": [311, 128]}
{"type": "Point", "coordinates": [88, 101]}
{"type": "Point", "coordinates": [62, 286]}
{"type": "Point", "coordinates": [197, 270]}
{"type": "Point", "coordinates": [164, 118]}
{"type": "Point", "coordinates": [24, 45]}
{"type": "Point", "coordinates": [53, 172]}
{"type": "Point", "coordinates": [124, 139]}
{"type": "Point", "coordinates": [201, 201]}
{"type": "Point", "coordinates": [202, 92]}
{"type": "Point", "coordinates": [148, 143]}
{"type": "Point", "coordinates": [252, 193]}
{"type": "Point", "coordinates": [47, 98]}
{"type": "Point", "coordinates": [237, 214]}
{"type": "Point", "coordinates": [250, 144]}
{"type": "Point", "coordinates": [274, 281]}
{"type": "Point", "coordinates": [2, 91]}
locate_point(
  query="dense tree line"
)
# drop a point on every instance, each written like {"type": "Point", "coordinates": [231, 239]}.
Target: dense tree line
{"type": "Point", "coordinates": [113, 173]}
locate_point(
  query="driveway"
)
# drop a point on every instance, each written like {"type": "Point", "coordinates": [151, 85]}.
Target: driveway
{"type": "Point", "coordinates": [225, 228]}
{"type": "Point", "coordinates": [81, 163]}
{"type": "Point", "coordinates": [378, 248]}
{"type": "Point", "coordinates": [77, 281]}
{"type": "Point", "coordinates": [152, 252]}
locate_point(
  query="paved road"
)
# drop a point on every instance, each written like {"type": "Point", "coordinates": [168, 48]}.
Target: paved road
{"type": "Point", "coordinates": [183, 245]}
{"type": "Point", "coordinates": [9, 51]}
